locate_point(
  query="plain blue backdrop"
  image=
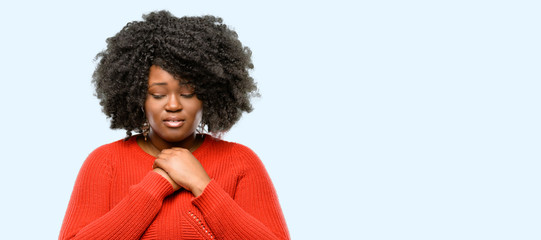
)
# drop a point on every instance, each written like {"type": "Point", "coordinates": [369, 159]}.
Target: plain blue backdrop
{"type": "Point", "coordinates": [378, 119]}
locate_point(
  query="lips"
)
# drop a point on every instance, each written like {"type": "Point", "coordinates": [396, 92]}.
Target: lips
{"type": "Point", "coordinates": [173, 122]}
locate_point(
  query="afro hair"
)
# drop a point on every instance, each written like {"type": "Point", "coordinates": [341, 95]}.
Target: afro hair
{"type": "Point", "coordinates": [201, 50]}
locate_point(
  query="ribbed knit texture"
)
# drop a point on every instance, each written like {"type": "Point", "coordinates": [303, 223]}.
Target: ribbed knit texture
{"type": "Point", "coordinates": [118, 196]}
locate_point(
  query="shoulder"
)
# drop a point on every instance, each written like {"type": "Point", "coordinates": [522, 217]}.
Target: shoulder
{"type": "Point", "coordinates": [243, 157]}
{"type": "Point", "coordinates": [232, 149]}
{"type": "Point", "coordinates": [104, 154]}
{"type": "Point", "coordinates": [113, 147]}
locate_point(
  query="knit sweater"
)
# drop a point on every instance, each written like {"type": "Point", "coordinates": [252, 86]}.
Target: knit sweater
{"type": "Point", "coordinates": [118, 196]}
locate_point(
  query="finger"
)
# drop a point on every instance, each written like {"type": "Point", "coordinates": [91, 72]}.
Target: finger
{"type": "Point", "coordinates": [168, 151]}
{"type": "Point", "coordinates": [178, 149]}
{"type": "Point", "coordinates": [164, 155]}
{"type": "Point", "coordinates": [158, 163]}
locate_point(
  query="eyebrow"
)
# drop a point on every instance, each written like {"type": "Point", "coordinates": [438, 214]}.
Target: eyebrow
{"type": "Point", "coordinates": [158, 83]}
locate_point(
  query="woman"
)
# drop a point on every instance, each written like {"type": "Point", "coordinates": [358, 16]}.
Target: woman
{"type": "Point", "coordinates": [170, 79]}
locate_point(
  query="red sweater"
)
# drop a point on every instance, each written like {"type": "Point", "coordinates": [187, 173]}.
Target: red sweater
{"type": "Point", "coordinates": [118, 196]}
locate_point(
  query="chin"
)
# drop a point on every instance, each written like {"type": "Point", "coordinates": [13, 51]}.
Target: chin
{"type": "Point", "coordinates": [172, 138]}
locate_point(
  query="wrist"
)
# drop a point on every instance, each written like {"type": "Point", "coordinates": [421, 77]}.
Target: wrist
{"type": "Point", "coordinates": [167, 177]}
{"type": "Point", "coordinates": [199, 188]}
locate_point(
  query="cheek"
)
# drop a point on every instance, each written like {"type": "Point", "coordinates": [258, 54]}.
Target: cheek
{"type": "Point", "coordinates": [196, 111]}
{"type": "Point", "coordinates": [151, 108]}
{"type": "Point", "coordinates": [199, 115]}
{"type": "Point", "coordinates": [199, 110]}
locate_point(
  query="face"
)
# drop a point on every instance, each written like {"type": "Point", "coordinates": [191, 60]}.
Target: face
{"type": "Point", "coordinates": [172, 109]}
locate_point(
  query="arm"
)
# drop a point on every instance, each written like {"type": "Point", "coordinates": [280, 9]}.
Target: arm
{"type": "Point", "coordinates": [89, 215]}
{"type": "Point", "coordinates": [253, 213]}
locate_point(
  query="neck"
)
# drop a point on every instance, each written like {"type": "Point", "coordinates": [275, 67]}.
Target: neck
{"type": "Point", "coordinates": [159, 144]}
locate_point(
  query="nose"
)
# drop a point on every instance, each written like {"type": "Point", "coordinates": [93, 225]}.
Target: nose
{"type": "Point", "coordinates": [173, 103]}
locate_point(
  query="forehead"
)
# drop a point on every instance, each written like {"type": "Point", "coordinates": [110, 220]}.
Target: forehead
{"type": "Point", "coordinates": [158, 76]}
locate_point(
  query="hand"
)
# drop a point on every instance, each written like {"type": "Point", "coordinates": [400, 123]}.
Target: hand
{"type": "Point", "coordinates": [166, 176]}
{"type": "Point", "coordinates": [184, 169]}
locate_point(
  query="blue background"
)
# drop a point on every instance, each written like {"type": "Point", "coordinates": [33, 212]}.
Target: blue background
{"type": "Point", "coordinates": [378, 119]}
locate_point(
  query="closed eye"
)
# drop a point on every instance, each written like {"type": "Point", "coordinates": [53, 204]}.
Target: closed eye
{"type": "Point", "coordinates": [189, 95]}
{"type": "Point", "coordinates": [156, 96]}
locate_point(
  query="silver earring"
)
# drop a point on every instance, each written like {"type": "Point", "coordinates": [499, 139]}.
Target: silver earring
{"type": "Point", "coordinates": [200, 129]}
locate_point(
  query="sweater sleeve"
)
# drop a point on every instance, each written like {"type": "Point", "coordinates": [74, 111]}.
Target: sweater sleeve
{"type": "Point", "coordinates": [89, 215]}
{"type": "Point", "coordinates": [253, 213]}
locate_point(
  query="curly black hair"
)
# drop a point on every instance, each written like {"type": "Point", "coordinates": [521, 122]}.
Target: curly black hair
{"type": "Point", "coordinates": [201, 50]}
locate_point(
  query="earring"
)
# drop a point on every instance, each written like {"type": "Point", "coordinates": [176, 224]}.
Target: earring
{"type": "Point", "coordinates": [200, 129]}
{"type": "Point", "coordinates": [145, 129]}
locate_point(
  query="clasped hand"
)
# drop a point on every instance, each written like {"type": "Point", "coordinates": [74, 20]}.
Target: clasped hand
{"type": "Point", "coordinates": [182, 170]}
